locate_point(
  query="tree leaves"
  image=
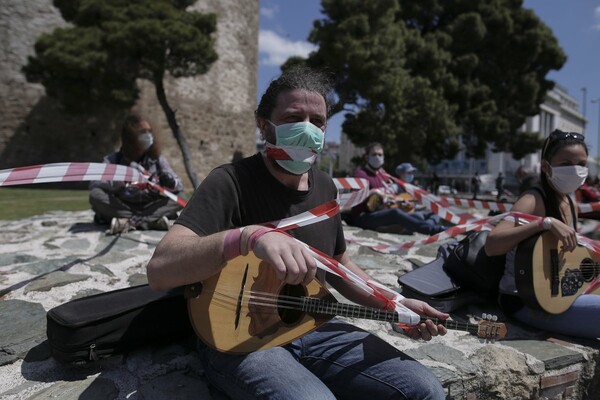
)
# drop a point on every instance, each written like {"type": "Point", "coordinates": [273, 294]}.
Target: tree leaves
{"type": "Point", "coordinates": [416, 74]}
{"type": "Point", "coordinates": [115, 42]}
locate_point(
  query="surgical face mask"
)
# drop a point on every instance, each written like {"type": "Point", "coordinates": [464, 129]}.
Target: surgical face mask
{"type": "Point", "coordinates": [146, 140]}
{"type": "Point", "coordinates": [375, 161]}
{"type": "Point", "coordinates": [568, 179]}
{"type": "Point", "coordinates": [409, 178]}
{"type": "Point", "coordinates": [296, 146]}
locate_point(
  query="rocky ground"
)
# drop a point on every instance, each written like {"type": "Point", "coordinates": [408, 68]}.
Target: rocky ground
{"type": "Point", "coordinates": [50, 259]}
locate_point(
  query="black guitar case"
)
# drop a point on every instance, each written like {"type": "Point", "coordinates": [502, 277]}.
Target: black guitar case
{"type": "Point", "coordinates": [432, 284]}
{"type": "Point", "coordinates": [116, 322]}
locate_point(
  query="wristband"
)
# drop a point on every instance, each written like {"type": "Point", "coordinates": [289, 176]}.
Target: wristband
{"type": "Point", "coordinates": [545, 223]}
{"type": "Point", "coordinates": [257, 235]}
{"type": "Point", "coordinates": [231, 244]}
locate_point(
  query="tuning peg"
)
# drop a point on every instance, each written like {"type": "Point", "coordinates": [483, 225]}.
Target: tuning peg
{"type": "Point", "coordinates": [484, 316]}
{"type": "Point", "coordinates": [494, 318]}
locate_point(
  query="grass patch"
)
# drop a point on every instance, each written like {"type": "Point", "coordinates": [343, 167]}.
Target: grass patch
{"type": "Point", "coordinates": [17, 203]}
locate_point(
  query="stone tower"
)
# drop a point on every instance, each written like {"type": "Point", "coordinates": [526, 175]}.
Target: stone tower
{"type": "Point", "coordinates": [215, 110]}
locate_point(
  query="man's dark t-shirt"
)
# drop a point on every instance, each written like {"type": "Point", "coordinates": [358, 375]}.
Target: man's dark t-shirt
{"type": "Point", "coordinates": [245, 193]}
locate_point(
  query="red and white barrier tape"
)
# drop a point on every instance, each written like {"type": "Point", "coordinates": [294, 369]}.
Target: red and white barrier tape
{"type": "Point", "coordinates": [319, 213]}
{"type": "Point", "coordinates": [351, 191]}
{"type": "Point", "coordinates": [478, 204]}
{"type": "Point", "coordinates": [156, 186]}
{"type": "Point", "coordinates": [326, 263]}
{"type": "Point", "coordinates": [74, 172]}
{"type": "Point", "coordinates": [433, 203]}
{"type": "Point", "coordinates": [449, 233]}
{"type": "Point", "coordinates": [68, 172]}
{"type": "Point", "coordinates": [583, 208]}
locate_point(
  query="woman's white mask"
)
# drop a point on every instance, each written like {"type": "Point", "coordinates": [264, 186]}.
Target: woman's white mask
{"type": "Point", "coordinates": [568, 178]}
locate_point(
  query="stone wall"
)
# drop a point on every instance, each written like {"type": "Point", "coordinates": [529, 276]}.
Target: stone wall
{"type": "Point", "coordinates": [215, 110]}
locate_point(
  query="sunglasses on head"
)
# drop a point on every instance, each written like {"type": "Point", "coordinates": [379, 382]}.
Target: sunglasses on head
{"type": "Point", "coordinates": [558, 135]}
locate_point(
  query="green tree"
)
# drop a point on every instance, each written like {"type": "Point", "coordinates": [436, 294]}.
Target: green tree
{"type": "Point", "coordinates": [112, 43]}
{"type": "Point", "coordinates": [415, 75]}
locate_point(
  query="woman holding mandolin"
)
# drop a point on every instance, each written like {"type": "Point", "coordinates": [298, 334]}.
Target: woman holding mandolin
{"type": "Point", "coordinates": [388, 207]}
{"type": "Point", "coordinates": [220, 226]}
{"type": "Point", "coordinates": [542, 286]}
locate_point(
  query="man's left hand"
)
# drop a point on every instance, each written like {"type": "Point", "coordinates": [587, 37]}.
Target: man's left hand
{"type": "Point", "coordinates": [428, 329]}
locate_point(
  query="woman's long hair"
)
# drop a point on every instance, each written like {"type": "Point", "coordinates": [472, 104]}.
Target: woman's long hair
{"type": "Point", "coordinates": [130, 145]}
{"type": "Point", "coordinates": [550, 148]}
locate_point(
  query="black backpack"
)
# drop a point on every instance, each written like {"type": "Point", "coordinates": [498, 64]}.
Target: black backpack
{"type": "Point", "coordinates": [471, 268]}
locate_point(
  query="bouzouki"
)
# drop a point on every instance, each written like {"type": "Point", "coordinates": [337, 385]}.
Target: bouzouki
{"type": "Point", "coordinates": [245, 308]}
{"type": "Point", "coordinates": [549, 279]}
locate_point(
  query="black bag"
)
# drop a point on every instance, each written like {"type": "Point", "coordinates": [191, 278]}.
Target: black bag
{"type": "Point", "coordinates": [115, 322]}
{"type": "Point", "coordinates": [471, 268]}
{"type": "Point", "coordinates": [432, 284]}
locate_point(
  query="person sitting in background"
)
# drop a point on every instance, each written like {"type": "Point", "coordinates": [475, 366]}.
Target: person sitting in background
{"type": "Point", "coordinates": [129, 206]}
{"type": "Point", "coordinates": [383, 209]}
{"type": "Point", "coordinates": [563, 170]}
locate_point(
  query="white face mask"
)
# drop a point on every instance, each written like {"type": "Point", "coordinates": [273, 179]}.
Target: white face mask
{"type": "Point", "coordinates": [568, 179]}
{"type": "Point", "coordinates": [146, 140]}
{"type": "Point", "coordinates": [375, 161]}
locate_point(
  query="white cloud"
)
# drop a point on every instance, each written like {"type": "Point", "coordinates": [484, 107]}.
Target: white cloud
{"type": "Point", "coordinates": [596, 25]}
{"type": "Point", "coordinates": [269, 12]}
{"type": "Point", "coordinates": [278, 49]}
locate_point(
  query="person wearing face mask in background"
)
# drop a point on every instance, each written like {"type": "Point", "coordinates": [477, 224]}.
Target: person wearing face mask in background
{"type": "Point", "coordinates": [126, 206]}
{"type": "Point", "coordinates": [563, 170]}
{"type": "Point", "coordinates": [221, 222]}
{"type": "Point", "coordinates": [386, 209]}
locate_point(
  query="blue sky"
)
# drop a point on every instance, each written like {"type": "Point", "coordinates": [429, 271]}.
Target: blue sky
{"type": "Point", "coordinates": [285, 24]}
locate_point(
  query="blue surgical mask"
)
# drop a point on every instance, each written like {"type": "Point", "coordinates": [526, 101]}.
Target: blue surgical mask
{"type": "Point", "coordinates": [301, 141]}
{"type": "Point", "coordinates": [409, 178]}
{"type": "Point", "coordinates": [146, 140]}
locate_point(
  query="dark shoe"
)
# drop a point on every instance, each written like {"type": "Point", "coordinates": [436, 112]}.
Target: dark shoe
{"type": "Point", "coordinates": [161, 224]}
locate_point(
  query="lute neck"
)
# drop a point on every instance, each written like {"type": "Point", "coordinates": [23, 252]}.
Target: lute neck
{"type": "Point", "coordinates": [318, 306]}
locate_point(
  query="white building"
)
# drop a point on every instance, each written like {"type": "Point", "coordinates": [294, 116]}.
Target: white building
{"type": "Point", "coordinates": [559, 111]}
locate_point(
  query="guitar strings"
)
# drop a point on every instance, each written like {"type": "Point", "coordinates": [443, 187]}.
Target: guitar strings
{"type": "Point", "coordinates": [273, 302]}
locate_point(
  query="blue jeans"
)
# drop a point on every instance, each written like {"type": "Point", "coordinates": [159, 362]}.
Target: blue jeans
{"type": "Point", "coordinates": [338, 360]}
{"type": "Point", "coordinates": [582, 319]}
{"type": "Point", "coordinates": [418, 221]}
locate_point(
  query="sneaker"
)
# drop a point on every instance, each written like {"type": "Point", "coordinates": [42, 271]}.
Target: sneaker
{"type": "Point", "coordinates": [161, 224]}
{"type": "Point", "coordinates": [120, 225]}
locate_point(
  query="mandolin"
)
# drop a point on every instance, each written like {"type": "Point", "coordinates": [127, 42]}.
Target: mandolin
{"type": "Point", "coordinates": [549, 279]}
{"type": "Point", "coordinates": [245, 308]}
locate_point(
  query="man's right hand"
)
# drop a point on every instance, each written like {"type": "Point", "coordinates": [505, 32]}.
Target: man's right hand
{"type": "Point", "coordinates": [290, 259]}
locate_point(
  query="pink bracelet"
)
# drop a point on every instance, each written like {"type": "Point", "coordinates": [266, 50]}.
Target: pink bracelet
{"type": "Point", "coordinates": [231, 244]}
{"type": "Point", "coordinates": [256, 235]}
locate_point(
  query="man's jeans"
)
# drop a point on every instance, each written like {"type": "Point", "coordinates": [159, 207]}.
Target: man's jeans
{"type": "Point", "coordinates": [337, 360]}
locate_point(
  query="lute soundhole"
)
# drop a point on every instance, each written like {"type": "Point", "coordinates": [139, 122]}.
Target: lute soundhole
{"type": "Point", "coordinates": [287, 303]}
